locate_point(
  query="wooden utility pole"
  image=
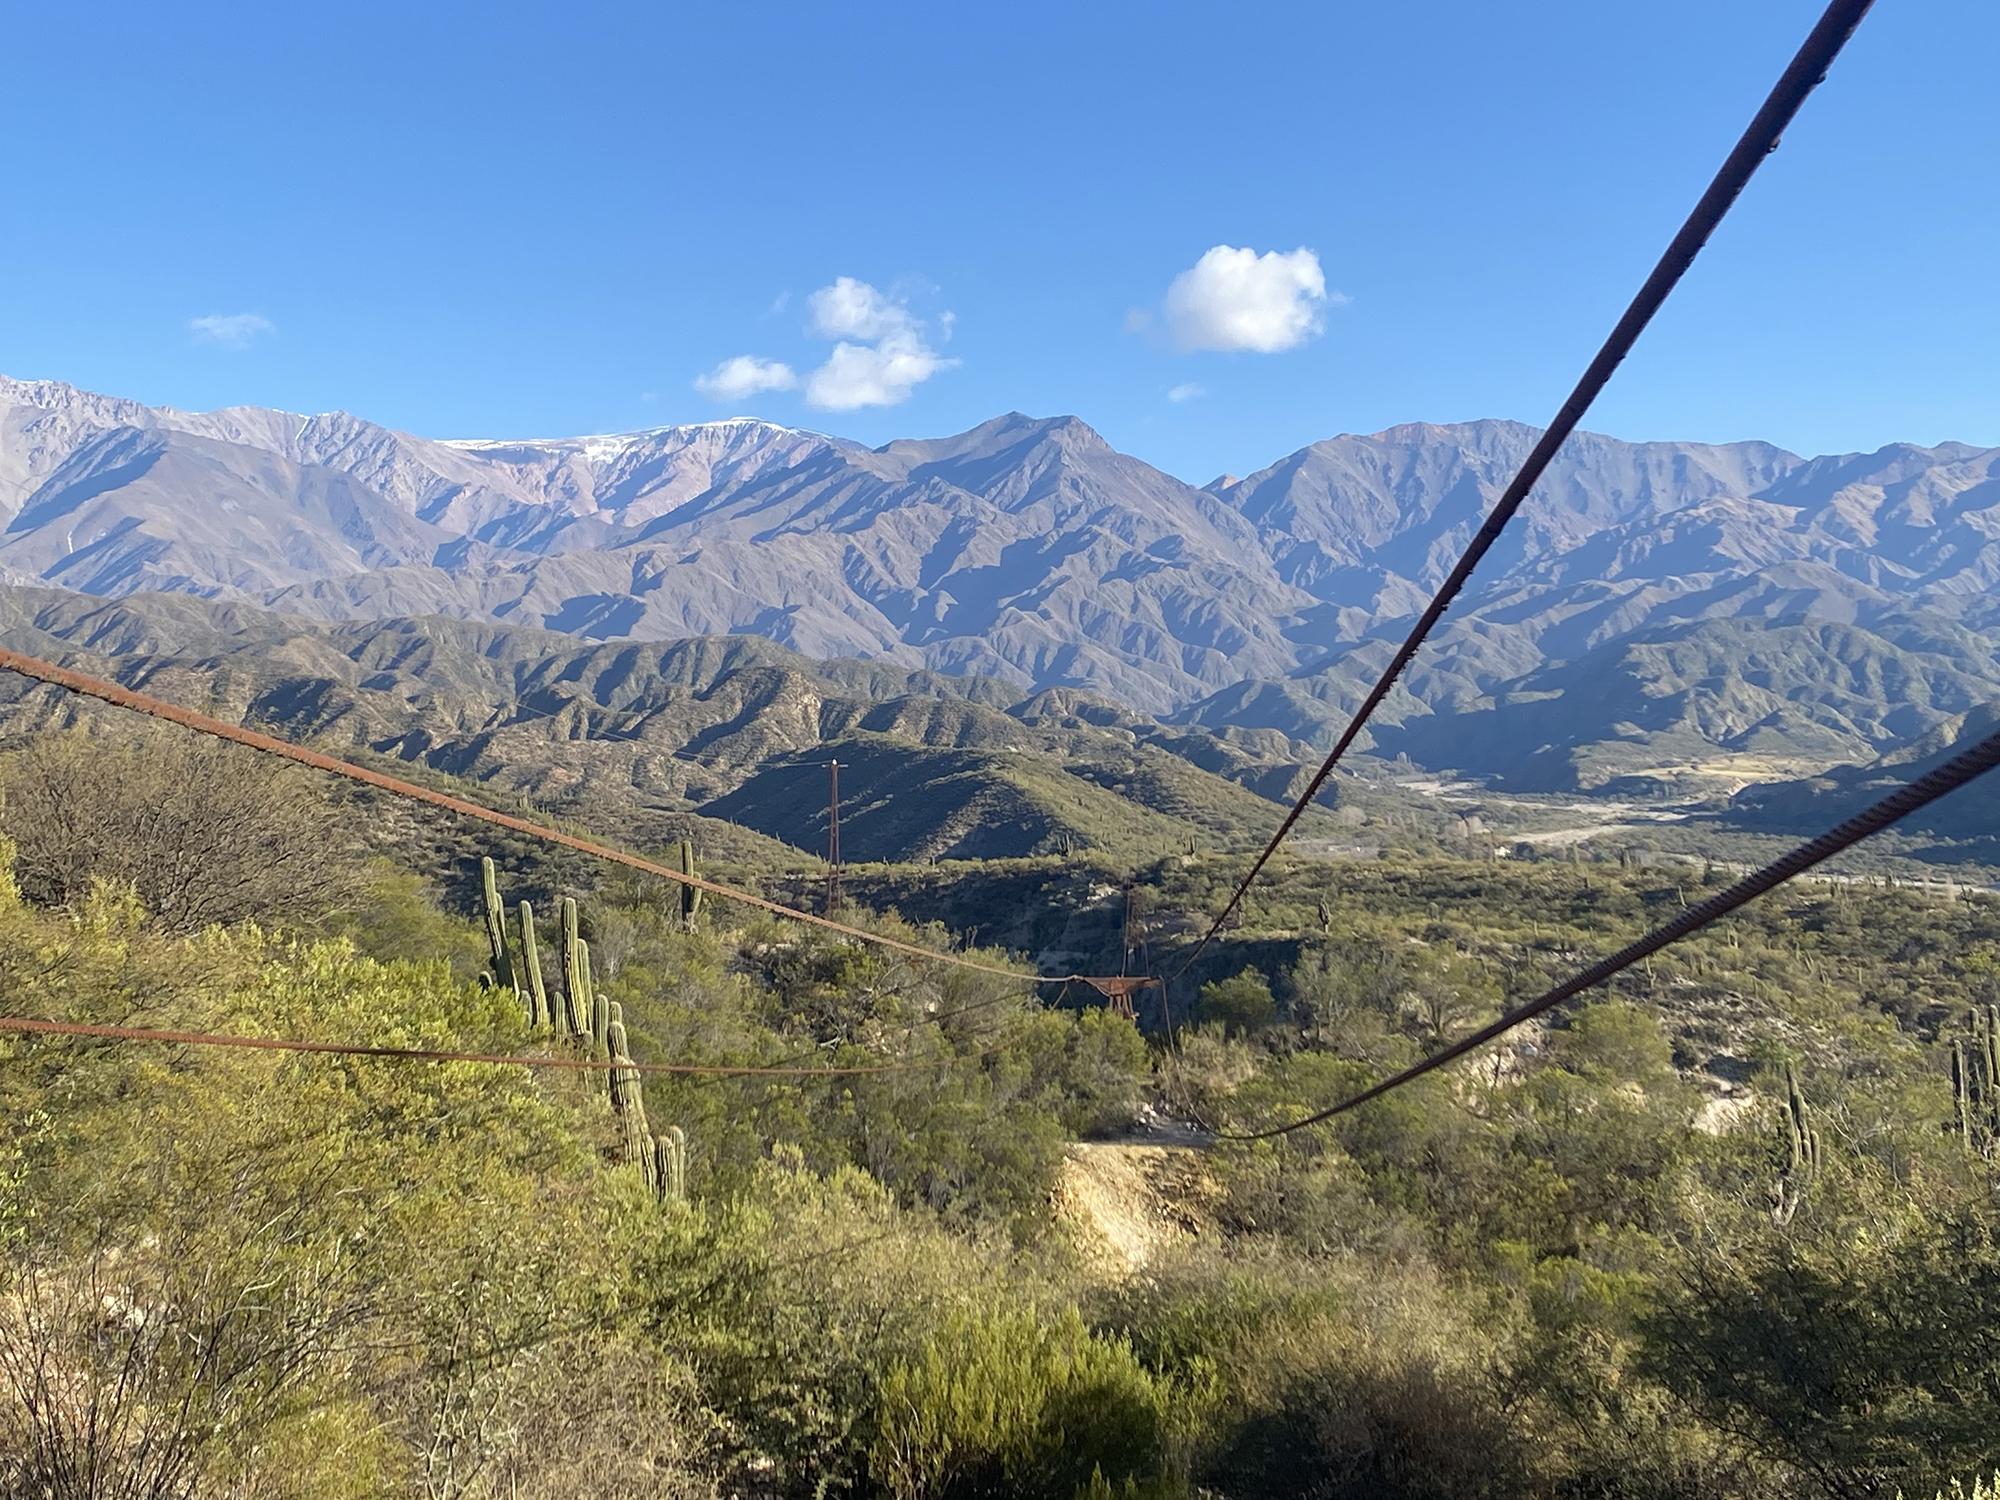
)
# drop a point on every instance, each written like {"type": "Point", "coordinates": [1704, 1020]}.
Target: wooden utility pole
{"type": "Point", "coordinates": [833, 837]}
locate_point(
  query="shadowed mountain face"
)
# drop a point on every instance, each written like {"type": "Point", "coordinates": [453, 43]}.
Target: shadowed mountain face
{"type": "Point", "coordinates": [639, 738]}
{"type": "Point", "coordinates": [1029, 550]}
{"type": "Point", "coordinates": [1716, 705]}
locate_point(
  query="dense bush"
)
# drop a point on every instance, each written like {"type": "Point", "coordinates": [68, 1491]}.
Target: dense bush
{"type": "Point", "coordinates": [1007, 1403]}
{"type": "Point", "coordinates": [1240, 1004]}
{"type": "Point", "coordinates": [206, 831]}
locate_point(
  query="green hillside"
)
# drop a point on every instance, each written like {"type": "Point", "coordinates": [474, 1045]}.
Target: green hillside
{"type": "Point", "coordinates": [903, 801]}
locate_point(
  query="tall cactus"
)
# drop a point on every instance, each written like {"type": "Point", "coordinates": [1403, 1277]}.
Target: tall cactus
{"type": "Point", "coordinates": [600, 1008]}
{"type": "Point", "coordinates": [1975, 1083]}
{"type": "Point", "coordinates": [531, 960]}
{"type": "Point", "coordinates": [690, 894]}
{"type": "Point", "coordinates": [496, 928]}
{"type": "Point", "coordinates": [615, 1036]}
{"type": "Point", "coordinates": [576, 976]}
{"type": "Point", "coordinates": [670, 1158]}
{"type": "Point", "coordinates": [1961, 1093]}
{"type": "Point", "coordinates": [1803, 1135]}
{"type": "Point", "coordinates": [628, 1096]}
{"type": "Point", "coordinates": [1802, 1138]}
{"type": "Point", "coordinates": [1990, 1041]}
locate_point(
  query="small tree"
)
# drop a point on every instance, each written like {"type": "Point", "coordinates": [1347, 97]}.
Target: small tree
{"type": "Point", "coordinates": [207, 832]}
{"type": "Point", "coordinates": [1618, 1039]}
{"type": "Point", "coordinates": [1242, 1003]}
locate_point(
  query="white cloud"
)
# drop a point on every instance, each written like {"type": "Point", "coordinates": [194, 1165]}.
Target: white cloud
{"type": "Point", "coordinates": [230, 330]}
{"type": "Point", "coordinates": [856, 375]}
{"type": "Point", "coordinates": [744, 376]}
{"type": "Point", "coordinates": [851, 309]}
{"type": "Point", "coordinates": [1239, 300]}
{"type": "Point", "coordinates": [889, 359]}
{"type": "Point", "coordinates": [1186, 392]}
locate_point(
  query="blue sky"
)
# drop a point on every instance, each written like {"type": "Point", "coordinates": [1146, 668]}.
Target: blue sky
{"type": "Point", "coordinates": [513, 220]}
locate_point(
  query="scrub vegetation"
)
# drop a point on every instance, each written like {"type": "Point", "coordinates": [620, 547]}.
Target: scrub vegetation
{"type": "Point", "coordinates": [1729, 1229]}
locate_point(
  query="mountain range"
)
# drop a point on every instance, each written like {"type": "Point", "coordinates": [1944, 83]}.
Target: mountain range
{"type": "Point", "coordinates": [1659, 610]}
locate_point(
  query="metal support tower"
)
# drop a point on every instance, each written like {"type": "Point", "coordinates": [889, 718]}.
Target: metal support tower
{"type": "Point", "coordinates": [833, 837]}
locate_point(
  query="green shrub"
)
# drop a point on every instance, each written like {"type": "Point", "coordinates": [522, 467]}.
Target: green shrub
{"type": "Point", "coordinates": [1242, 1003]}
{"type": "Point", "coordinates": [1617, 1038]}
{"type": "Point", "coordinates": [1871, 1359]}
{"type": "Point", "coordinates": [1007, 1403]}
{"type": "Point", "coordinates": [206, 831]}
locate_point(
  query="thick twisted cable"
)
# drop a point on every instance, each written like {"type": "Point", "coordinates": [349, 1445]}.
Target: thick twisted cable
{"type": "Point", "coordinates": [124, 697]}
{"type": "Point", "coordinates": [1805, 73]}
{"type": "Point", "coordinates": [1948, 777]}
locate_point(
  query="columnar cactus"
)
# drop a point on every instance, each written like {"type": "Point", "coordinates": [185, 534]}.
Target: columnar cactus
{"type": "Point", "coordinates": [1975, 1083]}
{"type": "Point", "coordinates": [628, 1096]}
{"type": "Point", "coordinates": [600, 1008]}
{"type": "Point", "coordinates": [690, 894]}
{"type": "Point", "coordinates": [1802, 1138]}
{"type": "Point", "coordinates": [531, 960]}
{"type": "Point", "coordinates": [670, 1156]}
{"type": "Point", "coordinates": [576, 975]}
{"type": "Point", "coordinates": [614, 1027]}
{"type": "Point", "coordinates": [1961, 1093]}
{"type": "Point", "coordinates": [1989, 1036]}
{"type": "Point", "coordinates": [496, 928]}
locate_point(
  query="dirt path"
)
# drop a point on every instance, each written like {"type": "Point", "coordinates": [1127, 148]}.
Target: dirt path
{"type": "Point", "coordinates": [1125, 1201]}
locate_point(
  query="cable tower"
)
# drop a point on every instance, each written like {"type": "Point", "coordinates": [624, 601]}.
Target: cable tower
{"type": "Point", "coordinates": [833, 837]}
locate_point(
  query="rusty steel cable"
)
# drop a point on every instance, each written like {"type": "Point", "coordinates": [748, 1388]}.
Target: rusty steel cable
{"type": "Point", "coordinates": [124, 697]}
{"type": "Point", "coordinates": [1805, 73]}
{"type": "Point", "coordinates": [28, 1025]}
{"type": "Point", "coordinates": [1949, 777]}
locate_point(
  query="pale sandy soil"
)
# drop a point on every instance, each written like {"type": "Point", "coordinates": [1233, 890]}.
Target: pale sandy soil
{"type": "Point", "coordinates": [1125, 1202]}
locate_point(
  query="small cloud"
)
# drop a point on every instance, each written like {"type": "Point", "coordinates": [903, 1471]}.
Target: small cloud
{"type": "Point", "coordinates": [856, 375]}
{"type": "Point", "coordinates": [235, 331]}
{"type": "Point", "coordinates": [1138, 319]}
{"type": "Point", "coordinates": [882, 354]}
{"type": "Point", "coordinates": [851, 309]}
{"type": "Point", "coordinates": [1186, 392]}
{"type": "Point", "coordinates": [744, 376]}
{"type": "Point", "coordinates": [778, 304]}
{"type": "Point", "coordinates": [1233, 300]}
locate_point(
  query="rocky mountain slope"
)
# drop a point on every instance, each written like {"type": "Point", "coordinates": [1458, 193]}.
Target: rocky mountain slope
{"type": "Point", "coordinates": [638, 738]}
{"type": "Point", "coordinates": [1712, 705]}
{"type": "Point", "coordinates": [1969, 819]}
{"type": "Point", "coordinates": [1030, 551]}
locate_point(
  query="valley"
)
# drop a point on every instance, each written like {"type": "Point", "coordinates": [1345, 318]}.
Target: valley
{"type": "Point", "coordinates": [865, 1181]}
{"type": "Point", "coordinates": [635, 865]}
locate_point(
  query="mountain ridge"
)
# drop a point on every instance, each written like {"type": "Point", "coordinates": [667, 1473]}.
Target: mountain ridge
{"type": "Point", "coordinates": [1027, 549]}
{"type": "Point", "coordinates": [640, 736]}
